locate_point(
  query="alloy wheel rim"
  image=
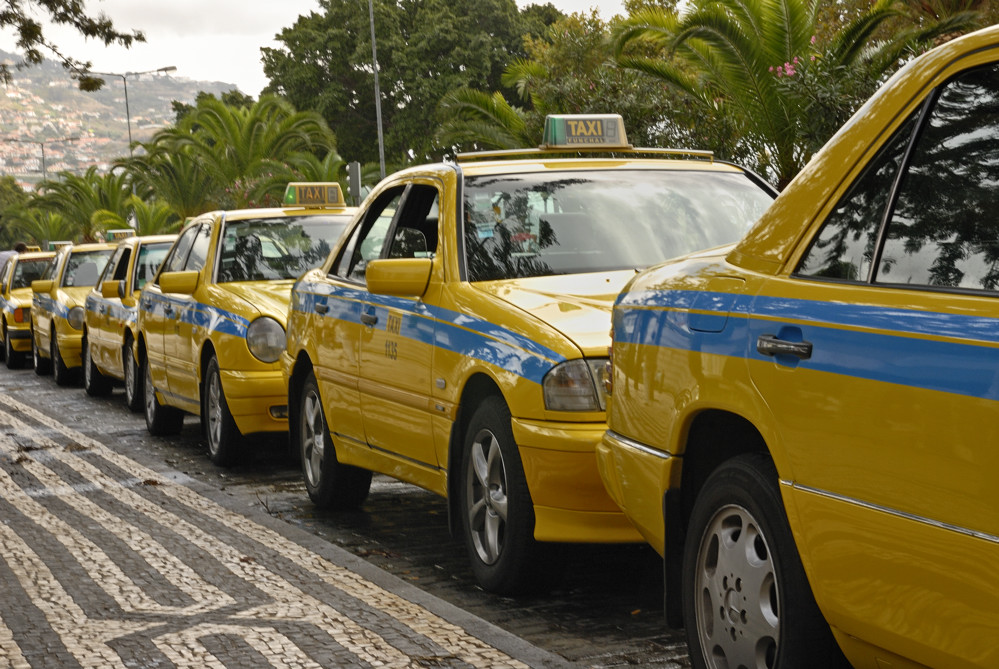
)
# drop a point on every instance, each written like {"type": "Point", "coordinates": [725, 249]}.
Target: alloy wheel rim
{"type": "Point", "coordinates": [214, 413]}
{"type": "Point", "coordinates": [736, 593]}
{"type": "Point", "coordinates": [88, 374]}
{"type": "Point", "coordinates": [486, 493]}
{"type": "Point", "coordinates": [130, 388]}
{"type": "Point", "coordinates": [313, 439]}
{"type": "Point", "coordinates": [150, 396]}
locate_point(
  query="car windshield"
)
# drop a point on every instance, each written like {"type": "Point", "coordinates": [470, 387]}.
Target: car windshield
{"type": "Point", "coordinates": [84, 267]}
{"type": "Point", "coordinates": [548, 223]}
{"type": "Point", "coordinates": [27, 271]}
{"type": "Point", "coordinates": [277, 248]}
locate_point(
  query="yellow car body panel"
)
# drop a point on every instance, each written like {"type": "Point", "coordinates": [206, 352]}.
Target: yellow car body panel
{"type": "Point", "coordinates": [395, 371]}
{"type": "Point", "coordinates": [15, 297]}
{"type": "Point", "coordinates": [111, 321]}
{"type": "Point", "coordinates": [179, 332]}
{"type": "Point", "coordinates": [75, 270]}
{"type": "Point", "coordinates": [872, 388]}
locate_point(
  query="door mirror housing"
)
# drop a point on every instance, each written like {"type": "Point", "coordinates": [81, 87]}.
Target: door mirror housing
{"type": "Point", "coordinates": [402, 277]}
{"type": "Point", "coordinates": [112, 288]}
{"type": "Point", "coordinates": [42, 285]}
{"type": "Point", "coordinates": [184, 283]}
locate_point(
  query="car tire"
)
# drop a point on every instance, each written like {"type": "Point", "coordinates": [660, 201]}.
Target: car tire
{"type": "Point", "coordinates": [160, 420]}
{"type": "Point", "coordinates": [94, 382]}
{"type": "Point", "coordinates": [13, 359]}
{"type": "Point", "coordinates": [42, 366]}
{"type": "Point", "coordinates": [62, 374]}
{"type": "Point", "coordinates": [224, 438]}
{"type": "Point", "coordinates": [496, 508]}
{"type": "Point", "coordinates": [133, 376]}
{"type": "Point", "coordinates": [746, 599]}
{"type": "Point", "coordinates": [330, 484]}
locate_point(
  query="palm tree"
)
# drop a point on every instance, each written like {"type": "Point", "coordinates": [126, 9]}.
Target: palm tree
{"type": "Point", "coordinates": [175, 177]}
{"type": "Point", "coordinates": [37, 226]}
{"type": "Point", "coordinates": [76, 198]}
{"type": "Point", "coordinates": [735, 59]}
{"type": "Point", "coordinates": [475, 118]}
{"type": "Point", "coordinates": [156, 218]}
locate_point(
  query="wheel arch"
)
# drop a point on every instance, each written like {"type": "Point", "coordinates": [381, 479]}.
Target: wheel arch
{"type": "Point", "coordinates": [712, 437]}
{"type": "Point", "coordinates": [303, 366]}
{"type": "Point", "coordinates": [478, 387]}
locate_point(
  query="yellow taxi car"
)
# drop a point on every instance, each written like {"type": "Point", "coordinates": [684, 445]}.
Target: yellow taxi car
{"type": "Point", "coordinates": [15, 303]}
{"type": "Point", "coordinates": [211, 324]}
{"type": "Point", "coordinates": [803, 424]}
{"type": "Point", "coordinates": [455, 337]}
{"type": "Point", "coordinates": [57, 308]}
{"type": "Point", "coordinates": [111, 316]}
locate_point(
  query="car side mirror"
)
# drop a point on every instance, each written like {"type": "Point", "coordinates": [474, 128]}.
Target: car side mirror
{"type": "Point", "coordinates": [402, 277]}
{"type": "Point", "coordinates": [184, 283]}
{"type": "Point", "coordinates": [42, 285]}
{"type": "Point", "coordinates": [111, 288]}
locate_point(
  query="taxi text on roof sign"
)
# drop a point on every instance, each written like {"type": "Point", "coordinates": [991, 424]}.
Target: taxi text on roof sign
{"type": "Point", "coordinates": [572, 130]}
{"type": "Point", "coordinates": [314, 194]}
{"type": "Point", "coordinates": [118, 235]}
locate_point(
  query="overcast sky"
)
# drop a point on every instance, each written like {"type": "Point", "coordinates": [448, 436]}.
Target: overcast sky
{"type": "Point", "coordinates": [212, 40]}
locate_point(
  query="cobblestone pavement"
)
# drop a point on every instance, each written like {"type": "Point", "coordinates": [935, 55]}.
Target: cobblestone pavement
{"type": "Point", "coordinates": [106, 562]}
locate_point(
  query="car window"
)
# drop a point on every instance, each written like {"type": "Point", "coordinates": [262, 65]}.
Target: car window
{"type": "Point", "coordinates": [178, 256]}
{"type": "Point", "coordinates": [844, 248]}
{"type": "Point", "coordinates": [150, 258]}
{"type": "Point", "coordinates": [7, 268]}
{"type": "Point", "coordinates": [199, 249]}
{"type": "Point", "coordinates": [545, 223]}
{"type": "Point", "coordinates": [276, 248]}
{"type": "Point", "coordinates": [109, 268]}
{"type": "Point", "coordinates": [368, 239]}
{"type": "Point", "coordinates": [27, 271]}
{"type": "Point", "coordinates": [50, 269]}
{"type": "Point", "coordinates": [944, 230]}
{"type": "Point", "coordinates": [84, 267]}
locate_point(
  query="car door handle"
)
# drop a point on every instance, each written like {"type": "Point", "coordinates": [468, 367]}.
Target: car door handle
{"type": "Point", "coordinates": [368, 318]}
{"type": "Point", "coordinates": [770, 345]}
{"type": "Point", "coordinates": [322, 308]}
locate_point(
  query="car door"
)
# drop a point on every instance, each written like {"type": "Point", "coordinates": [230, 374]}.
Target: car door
{"type": "Point", "coordinates": [159, 310]}
{"type": "Point", "coordinates": [878, 356]}
{"type": "Point", "coordinates": [103, 328]}
{"type": "Point", "coordinates": [43, 304]}
{"type": "Point", "coordinates": [181, 342]}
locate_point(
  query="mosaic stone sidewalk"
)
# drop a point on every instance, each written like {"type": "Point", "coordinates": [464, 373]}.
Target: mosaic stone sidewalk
{"type": "Point", "coordinates": [105, 562]}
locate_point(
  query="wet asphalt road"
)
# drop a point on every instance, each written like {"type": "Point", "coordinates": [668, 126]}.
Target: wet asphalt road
{"type": "Point", "coordinates": [606, 612]}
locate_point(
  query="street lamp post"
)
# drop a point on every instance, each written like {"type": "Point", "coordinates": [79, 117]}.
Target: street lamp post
{"type": "Point", "coordinates": [124, 82]}
{"type": "Point", "coordinates": [41, 143]}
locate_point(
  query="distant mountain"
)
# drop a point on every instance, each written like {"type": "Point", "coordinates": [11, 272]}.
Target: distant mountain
{"type": "Point", "coordinates": [43, 105]}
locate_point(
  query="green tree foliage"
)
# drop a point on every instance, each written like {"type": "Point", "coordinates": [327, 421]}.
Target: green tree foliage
{"type": "Point", "coordinates": [20, 16]}
{"type": "Point", "coordinates": [218, 155]}
{"type": "Point", "coordinates": [37, 226]}
{"type": "Point", "coordinates": [12, 197]}
{"type": "Point", "coordinates": [734, 59]}
{"type": "Point", "coordinates": [75, 199]}
{"type": "Point", "coordinates": [426, 48]}
{"type": "Point", "coordinates": [150, 218]}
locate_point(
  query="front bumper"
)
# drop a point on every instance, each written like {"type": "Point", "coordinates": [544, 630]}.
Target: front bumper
{"type": "Point", "coordinates": [20, 336]}
{"type": "Point", "coordinates": [258, 401]}
{"type": "Point", "coordinates": [570, 501]}
{"type": "Point", "coordinates": [637, 476]}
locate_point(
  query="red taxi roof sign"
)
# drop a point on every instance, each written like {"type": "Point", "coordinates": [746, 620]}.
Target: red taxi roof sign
{"type": "Point", "coordinates": [314, 194]}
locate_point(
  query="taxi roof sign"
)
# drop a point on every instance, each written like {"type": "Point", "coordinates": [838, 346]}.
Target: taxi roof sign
{"type": "Point", "coordinates": [118, 235]}
{"type": "Point", "coordinates": [573, 131]}
{"type": "Point", "coordinates": [314, 194]}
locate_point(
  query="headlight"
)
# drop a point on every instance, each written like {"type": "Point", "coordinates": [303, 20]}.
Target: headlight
{"type": "Point", "coordinates": [266, 339]}
{"type": "Point", "coordinates": [576, 385]}
{"type": "Point", "coordinates": [75, 318]}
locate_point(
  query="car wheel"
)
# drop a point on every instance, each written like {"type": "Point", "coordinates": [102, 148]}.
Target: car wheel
{"type": "Point", "coordinates": [14, 359]}
{"type": "Point", "coordinates": [496, 508]}
{"type": "Point", "coordinates": [224, 438]}
{"type": "Point", "coordinates": [160, 419]}
{"type": "Point", "coordinates": [94, 382]}
{"type": "Point", "coordinates": [746, 600]}
{"type": "Point", "coordinates": [133, 379]}
{"type": "Point", "coordinates": [42, 365]}
{"type": "Point", "coordinates": [60, 372]}
{"type": "Point", "coordinates": [330, 484]}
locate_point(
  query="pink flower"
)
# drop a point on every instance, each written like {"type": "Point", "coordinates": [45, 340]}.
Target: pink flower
{"type": "Point", "coordinates": [813, 39]}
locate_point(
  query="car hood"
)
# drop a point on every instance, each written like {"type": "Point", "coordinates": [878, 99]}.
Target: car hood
{"type": "Point", "coordinates": [269, 298]}
{"type": "Point", "coordinates": [578, 305]}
